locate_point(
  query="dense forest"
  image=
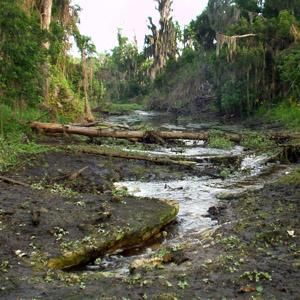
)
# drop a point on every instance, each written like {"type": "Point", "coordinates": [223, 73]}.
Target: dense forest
{"type": "Point", "coordinates": [236, 56]}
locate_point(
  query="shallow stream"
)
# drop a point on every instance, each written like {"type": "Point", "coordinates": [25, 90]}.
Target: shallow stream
{"type": "Point", "coordinates": [195, 194]}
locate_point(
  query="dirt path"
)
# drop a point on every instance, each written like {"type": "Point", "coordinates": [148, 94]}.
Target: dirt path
{"type": "Point", "coordinates": [254, 253]}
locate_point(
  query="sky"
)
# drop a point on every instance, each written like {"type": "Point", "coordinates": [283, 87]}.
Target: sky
{"type": "Point", "coordinates": [100, 19]}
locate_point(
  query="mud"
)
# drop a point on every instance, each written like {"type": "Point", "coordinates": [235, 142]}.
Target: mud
{"type": "Point", "coordinates": [253, 252]}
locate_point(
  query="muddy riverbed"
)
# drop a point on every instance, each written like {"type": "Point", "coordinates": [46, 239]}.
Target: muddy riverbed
{"type": "Point", "coordinates": [236, 235]}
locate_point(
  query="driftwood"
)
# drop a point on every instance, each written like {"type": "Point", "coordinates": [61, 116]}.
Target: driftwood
{"type": "Point", "coordinates": [125, 134]}
{"type": "Point", "coordinates": [152, 136]}
{"type": "Point", "coordinates": [13, 181]}
{"type": "Point", "coordinates": [71, 176]}
{"type": "Point", "coordinates": [162, 160]}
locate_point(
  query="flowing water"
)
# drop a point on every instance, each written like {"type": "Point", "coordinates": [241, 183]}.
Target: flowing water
{"type": "Point", "coordinates": [195, 194]}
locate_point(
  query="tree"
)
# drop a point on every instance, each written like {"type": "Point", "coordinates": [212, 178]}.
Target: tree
{"type": "Point", "coordinates": [272, 8]}
{"type": "Point", "coordinates": [222, 13]}
{"type": "Point", "coordinates": [202, 32]}
{"type": "Point", "coordinates": [86, 48]}
{"type": "Point", "coordinates": [161, 45]}
{"type": "Point", "coordinates": [46, 14]}
{"type": "Point", "coordinates": [21, 55]}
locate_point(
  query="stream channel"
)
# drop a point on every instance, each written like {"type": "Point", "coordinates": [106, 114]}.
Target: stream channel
{"type": "Point", "coordinates": [195, 193]}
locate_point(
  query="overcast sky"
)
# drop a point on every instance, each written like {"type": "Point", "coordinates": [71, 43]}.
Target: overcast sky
{"type": "Point", "coordinates": [100, 19]}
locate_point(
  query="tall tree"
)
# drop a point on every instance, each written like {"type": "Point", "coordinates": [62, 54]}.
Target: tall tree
{"type": "Point", "coordinates": [162, 43]}
{"type": "Point", "coordinates": [86, 48]}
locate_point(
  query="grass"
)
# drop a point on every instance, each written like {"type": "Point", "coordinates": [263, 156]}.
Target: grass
{"type": "Point", "coordinates": [287, 113]}
{"type": "Point", "coordinates": [256, 141]}
{"type": "Point", "coordinates": [291, 178]}
{"type": "Point", "coordinates": [218, 140]}
{"type": "Point", "coordinates": [14, 135]}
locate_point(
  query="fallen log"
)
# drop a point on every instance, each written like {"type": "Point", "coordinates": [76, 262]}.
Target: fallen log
{"type": "Point", "coordinates": [71, 176]}
{"type": "Point", "coordinates": [13, 181]}
{"type": "Point", "coordinates": [125, 134]}
{"type": "Point", "coordinates": [162, 160]}
{"type": "Point", "coordinates": [152, 136]}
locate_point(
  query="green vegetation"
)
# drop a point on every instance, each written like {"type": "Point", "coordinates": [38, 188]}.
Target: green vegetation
{"type": "Point", "coordinates": [15, 139]}
{"type": "Point", "coordinates": [256, 141]}
{"type": "Point", "coordinates": [291, 178]}
{"type": "Point", "coordinates": [218, 140]}
{"type": "Point", "coordinates": [254, 64]}
{"type": "Point", "coordinates": [287, 113]}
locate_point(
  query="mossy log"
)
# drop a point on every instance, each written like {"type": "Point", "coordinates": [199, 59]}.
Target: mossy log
{"type": "Point", "coordinates": [145, 224]}
{"type": "Point", "coordinates": [157, 159]}
{"type": "Point", "coordinates": [180, 160]}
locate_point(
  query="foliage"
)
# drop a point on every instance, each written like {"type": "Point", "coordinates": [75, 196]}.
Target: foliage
{"type": "Point", "coordinates": [123, 72]}
{"type": "Point", "coordinates": [14, 135]}
{"type": "Point", "coordinates": [263, 68]}
{"type": "Point", "coordinates": [289, 66]}
{"type": "Point", "coordinates": [292, 178]}
{"type": "Point", "coordinates": [256, 141]}
{"type": "Point", "coordinates": [256, 276]}
{"type": "Point", "coordinates": [20, 55]}
{"type": "Point", "coordinates": [63, 101]}
{"type": "Point", "coordinates": [162, 44]}
{"type": "Point", "coordinates": [201, 32]}
{"type": "Point", "coordinates": [287, 113]}
{"type": "Point", "coordinates": [180, 87]}
{"type": "Point", "coordinates": [218, 140]}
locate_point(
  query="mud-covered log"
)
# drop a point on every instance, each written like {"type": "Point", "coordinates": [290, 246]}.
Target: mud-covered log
{"type": "Point", "coordinates": [124, 134]}
{"type": "Point", "coordinates": [161, 160]}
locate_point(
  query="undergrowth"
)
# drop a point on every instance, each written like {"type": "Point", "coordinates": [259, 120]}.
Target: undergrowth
{"type": "Point", "coordinates": [256, 141]}
{"type": "Point", "coordinates": [16, 139]}
{"type": "Point", "coordinates": [287, 113]}
{"type": "Point", "coordinates": [291, 178]}
{"type": "Point", "coordinates": [218, 140]}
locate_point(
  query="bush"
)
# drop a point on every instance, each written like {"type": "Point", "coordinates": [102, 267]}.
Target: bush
{"type": "Point", "coordinates": [287, 113]}
{"type": "Point", "coordinates": [14, 133]}
{"type": "Point", "coordinates": [218, 140]}
{"type": "Point", "coordinates": [256, 141]}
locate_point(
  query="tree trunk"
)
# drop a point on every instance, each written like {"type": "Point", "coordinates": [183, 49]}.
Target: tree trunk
{"type": "Point", "coordinates": [46, 14]}
{"type": "Point", "coordinates": [88, 116]}
{"type": "Point", "coordinates": [144, 135]}
{"type": "Point", "coordinates": [124, 134]}
{"type": "Point", "coordinates": [162, 44]}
